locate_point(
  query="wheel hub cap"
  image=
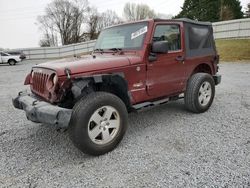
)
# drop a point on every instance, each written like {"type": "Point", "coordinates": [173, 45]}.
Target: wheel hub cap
{"type": "Point", "coordinates": [205, 93]}
{"type": "Point", "coordinates": [104, 125]}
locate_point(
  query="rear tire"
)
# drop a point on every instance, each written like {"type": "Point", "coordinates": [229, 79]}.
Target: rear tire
{"type": "Point", "coordinates": [12, 62]}
{"type": "Point", "coordinates": [200, 92]}
{"type": "Point", "coordinates": [98, 123]}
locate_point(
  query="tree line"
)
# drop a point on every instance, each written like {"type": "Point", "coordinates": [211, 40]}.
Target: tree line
{"type": "Point", "coordinates": [72, 21]}
{"type": "Point", "coordinates": [211, 10]}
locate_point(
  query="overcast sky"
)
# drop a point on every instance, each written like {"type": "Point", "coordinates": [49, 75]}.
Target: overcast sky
{"type": "Point", "coordinates": [18, 27]}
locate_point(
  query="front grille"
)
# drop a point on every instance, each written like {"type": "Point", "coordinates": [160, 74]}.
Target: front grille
{"type": "Point", "coordinates": [39, 82]}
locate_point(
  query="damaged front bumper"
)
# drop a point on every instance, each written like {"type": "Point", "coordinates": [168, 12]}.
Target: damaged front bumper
{"type": "Point", "coordinates": [42, 112]}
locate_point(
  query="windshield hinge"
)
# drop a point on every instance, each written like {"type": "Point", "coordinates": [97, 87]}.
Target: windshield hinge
{"type": "Point", "coordinates": [67, 72]}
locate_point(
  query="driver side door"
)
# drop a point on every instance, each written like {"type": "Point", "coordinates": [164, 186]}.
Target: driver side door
{"type": "Point", "coordinates": [165, 75]}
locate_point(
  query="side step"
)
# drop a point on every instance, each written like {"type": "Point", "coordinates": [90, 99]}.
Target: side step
{"type": "Point", "coordinates": [159, 102]}
{"type": "Point", "coordinates": [148, 104]}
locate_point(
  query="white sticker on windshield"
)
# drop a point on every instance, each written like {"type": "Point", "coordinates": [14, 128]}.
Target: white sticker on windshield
{"type": "Point", "coordinates": [139, 32]}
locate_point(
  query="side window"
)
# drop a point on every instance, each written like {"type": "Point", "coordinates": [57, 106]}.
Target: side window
{"type": "Point", "coordinates": [3, 54]}
{"type": "Point", "coordinates": [169, 33]}
{"type": "Point", "coordinates": [199, 38]}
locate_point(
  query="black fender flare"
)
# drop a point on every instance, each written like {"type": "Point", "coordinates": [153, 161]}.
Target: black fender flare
{"type": "Point", "coordinates": [85, 84]}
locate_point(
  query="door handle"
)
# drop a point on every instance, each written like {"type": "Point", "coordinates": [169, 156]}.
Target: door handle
{"type": "Point", "coordinates": [180, 59]}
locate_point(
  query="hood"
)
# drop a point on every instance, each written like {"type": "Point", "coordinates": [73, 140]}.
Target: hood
{"type": "Point", "coordinates": [13, 56]}
{"type": "Point", "coordinates": [89, 64]}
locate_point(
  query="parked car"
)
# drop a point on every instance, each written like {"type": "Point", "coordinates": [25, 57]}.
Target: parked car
{"type": "Point", "coordinates": [11, 59]}
{"type": "Point", "coordinates": [133, 66]}
{"type": "Point", "coordinates": [17, 53]}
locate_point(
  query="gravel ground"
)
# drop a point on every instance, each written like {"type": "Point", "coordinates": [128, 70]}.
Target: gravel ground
{"type": "Point", "coordinates": [165, 146]}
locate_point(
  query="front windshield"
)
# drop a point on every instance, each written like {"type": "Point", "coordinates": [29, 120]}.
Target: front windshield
{"type": "Point", "coordinates": [129, 36]}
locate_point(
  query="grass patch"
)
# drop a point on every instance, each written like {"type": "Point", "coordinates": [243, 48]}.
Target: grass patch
{"type": "Point", "coordinates": [234, 49]}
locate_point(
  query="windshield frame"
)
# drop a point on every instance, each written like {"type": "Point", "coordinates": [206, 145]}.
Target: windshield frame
{"type": "Point", "coordinates": [123, 49]}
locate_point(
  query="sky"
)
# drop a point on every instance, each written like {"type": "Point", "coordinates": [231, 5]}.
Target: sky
{"type": "Point", "coordinates": [18, 28]}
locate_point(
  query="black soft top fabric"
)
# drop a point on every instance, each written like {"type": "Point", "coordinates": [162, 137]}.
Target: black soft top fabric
{"type": "Point", "coordinates": [206, 46]}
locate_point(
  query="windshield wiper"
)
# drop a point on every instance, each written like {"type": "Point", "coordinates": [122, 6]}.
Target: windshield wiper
{"type": "Point", "coordinates": [98, 50]}
{"type": "Point", "coordinates": [116, 50]}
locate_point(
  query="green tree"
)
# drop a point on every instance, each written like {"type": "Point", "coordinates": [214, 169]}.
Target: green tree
{"type": "Point", "coordinates": [189, 9]}
{"type": "Point", "coordinates": [211, 10]}
{"type": "Point", "coordinates": [203, 10]}
{"type": "Point", "coordinates": [230, 9]}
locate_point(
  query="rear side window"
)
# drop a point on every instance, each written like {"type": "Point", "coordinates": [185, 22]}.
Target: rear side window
{"type": "Point", "coordinates": [199, 38]}
{"type": "Point", "coordinates": [3, 54]}
{"type": "Point", "coordinates": [169, 33]}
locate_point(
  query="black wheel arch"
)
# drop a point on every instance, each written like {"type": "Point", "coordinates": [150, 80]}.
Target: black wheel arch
{"type": "Point", "coordinates": [12, 60]}
{"type": "Point", "coordinates": [113, 83]}
{"type": "Point", "coordinates": [202, 68]}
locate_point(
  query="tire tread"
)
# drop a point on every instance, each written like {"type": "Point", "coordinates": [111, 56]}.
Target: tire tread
{"type": "Point", "coordinates": [84, 104]}
{"type": "Point", "coordinates": [192, 87]}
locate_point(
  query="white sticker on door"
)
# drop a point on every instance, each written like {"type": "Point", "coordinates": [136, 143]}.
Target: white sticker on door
{"type": "Point", "coordinates": [139, 32]}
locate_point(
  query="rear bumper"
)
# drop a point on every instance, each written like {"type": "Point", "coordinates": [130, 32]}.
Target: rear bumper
{"type": "Point", "coordinates": [42, 112]}
{"type": "Point", "coordinates": [217, 79]}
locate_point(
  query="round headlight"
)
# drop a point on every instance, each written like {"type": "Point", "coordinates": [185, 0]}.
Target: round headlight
{"type": "Point", "coordinates": [51, 81]}
{"type": "Point", "coordinates": [31, 77]}
{"type": "Point", "coordinates": [55, 79]}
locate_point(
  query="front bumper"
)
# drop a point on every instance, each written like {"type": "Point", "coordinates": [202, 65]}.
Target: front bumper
{"type": "Point", "coordinates": [217, 79]}
{"type": "Point", "coordinates": [42, 112]}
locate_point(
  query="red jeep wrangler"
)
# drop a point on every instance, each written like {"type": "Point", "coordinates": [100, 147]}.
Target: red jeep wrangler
{"type": "Point", "coordinates": [133, 66]}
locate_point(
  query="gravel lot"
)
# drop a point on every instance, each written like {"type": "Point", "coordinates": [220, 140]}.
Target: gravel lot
{"type": "Point", "coordinates": [165, 146]}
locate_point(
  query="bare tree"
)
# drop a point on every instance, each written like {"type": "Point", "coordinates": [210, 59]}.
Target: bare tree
{"type": "Point", "coordinates": [247, 13]}
{"type": "Point", "coordinates": [93, 20]}
{"type": "Point", "coordinates": [45, 41]}
{"type": "Point", "coordinates": [107, 19]}
{"type": "Point", "coordinates": [50, 36]}
{"type": "Point", "coordinates": [64, 18]}
{"type": "Point", "coordinates": [164, 16]}
{"type": "Point", "coordinates": [97, 21]}
{"type": "Point", "coordinates": [133, 12]}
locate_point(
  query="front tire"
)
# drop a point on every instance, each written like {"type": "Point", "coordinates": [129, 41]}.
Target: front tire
{"type": "Point", "coordinates": [98, 123]}
{"type": "Point", "coordinates": [200, 92]}
{"type": "Point", "coordinates": [12, 62]}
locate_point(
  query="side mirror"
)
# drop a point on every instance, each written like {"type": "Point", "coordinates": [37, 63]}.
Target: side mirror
{"type": "Point", "coordinates": [160, 47]}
